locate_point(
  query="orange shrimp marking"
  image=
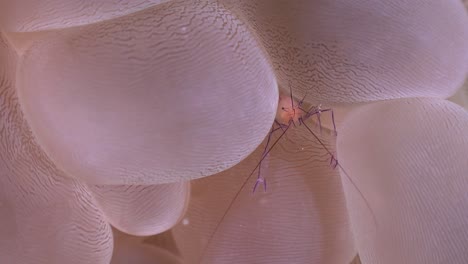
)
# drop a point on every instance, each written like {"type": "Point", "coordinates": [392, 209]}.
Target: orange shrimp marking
{"type": "Point", "coordinates": [288, 110]}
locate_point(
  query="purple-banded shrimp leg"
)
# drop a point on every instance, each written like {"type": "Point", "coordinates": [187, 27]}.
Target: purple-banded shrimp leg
{"type": "Point", "coordinates": [261, 179]}
{"type": "Point", "coordinates": [238, 193]}
{"type": "Point", "coordinates": [310, 113]}
{"type": "Point", "coordinates": [333, 118]}
{"type": "Point", "coordinates": [299, 104]}
{"type": "Point", "coordinates": [280, 125]}
{"type": "Point", "coordinates": [334, 162]}
{"type": "Point", "coordinates": [317, 112]}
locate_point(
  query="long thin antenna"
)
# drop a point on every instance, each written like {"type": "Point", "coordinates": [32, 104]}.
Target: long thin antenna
{"type": "Point", "coordinates": [292, 105]}
{"type": "Point", "coordinates": [238, 192]}
{"type": "Point", "coordinates": [344, 171]}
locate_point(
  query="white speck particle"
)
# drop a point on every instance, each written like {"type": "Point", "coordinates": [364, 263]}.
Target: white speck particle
{"type": "Point", "coordinates": [183, 29]}
{"type": "Point", "coordinates": [302, 148]}
{"type": "Point", "coordinates": [185, 221]}
{"type": "Point", "coordinates": [263, 201]}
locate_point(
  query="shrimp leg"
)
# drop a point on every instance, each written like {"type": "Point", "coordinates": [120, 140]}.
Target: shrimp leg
{"type": "Point", "coordinates": [261, 179]}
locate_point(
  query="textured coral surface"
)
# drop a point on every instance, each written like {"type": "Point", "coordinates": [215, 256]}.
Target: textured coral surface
{"type": "Point", "coordinates": [233, 131]}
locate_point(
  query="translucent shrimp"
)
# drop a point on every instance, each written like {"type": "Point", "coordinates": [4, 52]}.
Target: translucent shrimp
{"type": "Point", "coordinates": [291, 113]}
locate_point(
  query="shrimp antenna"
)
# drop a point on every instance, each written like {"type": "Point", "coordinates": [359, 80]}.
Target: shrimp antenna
{"type": "Point", "coordinates": [290, 94]}
{"type": "Point", "coordinates": [345, 173]}
{"type": "Point", "coordinates": [292, 103]}
{"type": "Point", "coordinates": [240, 190]}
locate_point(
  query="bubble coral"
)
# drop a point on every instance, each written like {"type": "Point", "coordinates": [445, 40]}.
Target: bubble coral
{"type": "Point", "coordinates": [115, 112]}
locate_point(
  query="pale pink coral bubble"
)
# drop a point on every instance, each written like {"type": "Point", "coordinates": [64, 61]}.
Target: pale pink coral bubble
{"type": "Point", "coordinates": [409, 158]}
{"type": "Point", "coordinates": [45, 217]}
{"type": "Point", "coordinates": [39, 15]}
{"type": "Point", "coordinates": [342, 51]}
{"type": "Point", "coordinates": [143, 210]}
{"type": "Point", "coordinates": [175, 92]}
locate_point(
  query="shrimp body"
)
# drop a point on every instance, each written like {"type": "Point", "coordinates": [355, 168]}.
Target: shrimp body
{"type": "Point", "coordinates": [289, 113]}
{"type": "Point", "coordinates": [288, 110]}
